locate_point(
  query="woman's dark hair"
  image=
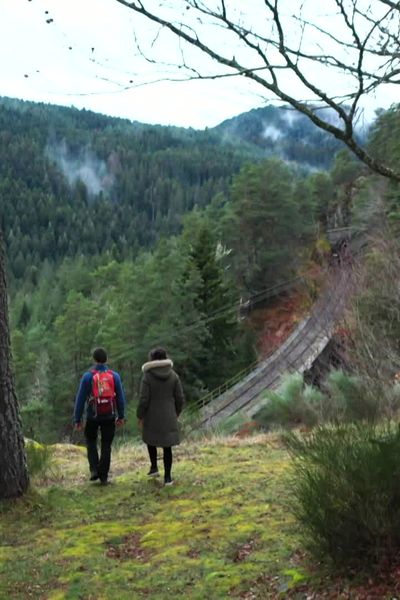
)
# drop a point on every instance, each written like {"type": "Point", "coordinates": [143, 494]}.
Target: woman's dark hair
{"type": "Point", "coordinates": [158, 354]}
{"type": "Point", "coordinates": [100, 355]}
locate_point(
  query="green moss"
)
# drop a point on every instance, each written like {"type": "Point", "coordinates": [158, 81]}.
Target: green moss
{"type": "Point", "coordinates": [136, 539]}
{"type": "Point", "coordinates": [56, 595]}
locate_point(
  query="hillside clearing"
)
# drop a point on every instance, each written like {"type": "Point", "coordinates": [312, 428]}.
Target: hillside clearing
{"type": "Point", "coordinates": [222, 531]}
{"type": "Point", "coordinates": [220, 528]}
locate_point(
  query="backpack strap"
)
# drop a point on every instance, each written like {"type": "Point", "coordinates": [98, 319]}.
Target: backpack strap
{"type": "Point", "coordinates": [94, 372]}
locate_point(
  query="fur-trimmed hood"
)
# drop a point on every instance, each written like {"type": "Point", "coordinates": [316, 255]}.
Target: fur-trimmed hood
{"type": "Point", "coordinates": [159, 368]}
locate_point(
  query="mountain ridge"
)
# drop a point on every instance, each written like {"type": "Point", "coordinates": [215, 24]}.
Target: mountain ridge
{"type": "Point", "coordinates": [61, 167]}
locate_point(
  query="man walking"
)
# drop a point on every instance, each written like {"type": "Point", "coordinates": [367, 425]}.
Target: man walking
{"type": "Point", "coordinates": [101, 391]}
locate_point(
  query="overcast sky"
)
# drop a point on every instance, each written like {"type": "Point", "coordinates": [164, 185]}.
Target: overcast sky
{"type": "Point", "coordinates": [82, 53]}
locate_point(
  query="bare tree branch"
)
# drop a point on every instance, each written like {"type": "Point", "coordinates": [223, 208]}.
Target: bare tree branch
{"type": "Point", "coordinates": [364, 47]}
{"type": "Point", "coordinates": [394, 5]}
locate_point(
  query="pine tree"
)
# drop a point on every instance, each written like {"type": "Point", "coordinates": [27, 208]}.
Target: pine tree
{"type": "Point", "coordinates": [218, 305]}
{"type": "Point", "coordinates": [13, 469]}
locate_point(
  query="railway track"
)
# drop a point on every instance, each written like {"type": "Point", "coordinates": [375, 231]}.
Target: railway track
{"type": "Point", "coordinates": [296, 354]}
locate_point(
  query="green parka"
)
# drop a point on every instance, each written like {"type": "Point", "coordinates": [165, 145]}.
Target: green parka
{"type": "Point", "coordinates": [160, 403]}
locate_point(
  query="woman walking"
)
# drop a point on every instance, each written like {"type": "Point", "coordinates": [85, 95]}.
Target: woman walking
{"type": "Point", "coordinates": [160, 404]}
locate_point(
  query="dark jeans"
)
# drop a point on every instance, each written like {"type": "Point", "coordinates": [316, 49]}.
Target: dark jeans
{"type": "Point", "coordinates": [107, 430]}
{"type": "Point", "coordinates": [167, 459]}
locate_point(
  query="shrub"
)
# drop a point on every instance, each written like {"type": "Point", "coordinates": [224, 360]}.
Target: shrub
{"type": "Point", "coordinates": [346, 492]}
{"type": "Point", "coordinates": [291, 404]}
{"type": "Point", "coordinates": [349, 399]}
{"type": "Point", "coordinates": [38, 457]}
{"type": "Point", "coordinates": [189, 423]}
{"type": "Point", "coordinates": [231, 425]}
{"type": "Point", "coordinates": [345, 399]}
{"type": "Point", "coordinates": [34, 418]}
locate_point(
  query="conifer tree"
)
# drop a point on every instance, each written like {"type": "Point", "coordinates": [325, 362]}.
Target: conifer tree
{"type": "Point", "coordinates": [217, 303]}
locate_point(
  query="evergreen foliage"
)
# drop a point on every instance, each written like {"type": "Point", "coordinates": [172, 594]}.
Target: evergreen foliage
{"type": "Point", "coordinates": [217, 302]}
{"type": "Point", "coordinates": [346, 490]}
{"type": "Point", "coordinates": [384, 138]}
{"type": "Point", "coordinates": [267, 223]}
{"type": "Point", "coordinates": [129, 236]}
{"type": "Point", "coordinates": [74, 182]}
{"type": "Point", "coordinates": [163, 297]}
{"type": "Point", "coordinates": [345, 398]}
{"type": "Point", "coordinates": [284, 133]}
{"type": "Point", "coordinates": [384, 144]}
{"type": "Point", "coordinates": [39, 457]}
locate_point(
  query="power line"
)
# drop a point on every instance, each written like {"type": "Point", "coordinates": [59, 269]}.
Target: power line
{"type": "Point", "coordinates": [319, 312]}
{"type": "Point", "coordinates": [215, 315]}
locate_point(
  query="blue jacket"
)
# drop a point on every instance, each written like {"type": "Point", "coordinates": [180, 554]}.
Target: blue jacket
{"type": "Point", "coordinates": [85, 390]}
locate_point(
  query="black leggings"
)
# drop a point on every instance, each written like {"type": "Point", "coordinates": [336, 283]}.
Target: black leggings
{"type": "Point", "coordinates": [167, 459]}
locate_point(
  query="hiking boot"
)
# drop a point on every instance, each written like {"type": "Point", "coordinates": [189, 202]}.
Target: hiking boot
{"type": "Point", "coordinates": [168, 481]}
{"type": "Point", "coordinates": [153, 473]}
{"type": "Point", "coordinates": [94, 476]}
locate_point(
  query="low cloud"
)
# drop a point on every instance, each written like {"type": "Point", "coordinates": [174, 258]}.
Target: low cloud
{"type": "Point", "coordinates": [84, 166]}
{"type": "Point", "coordinates": [272, 132]}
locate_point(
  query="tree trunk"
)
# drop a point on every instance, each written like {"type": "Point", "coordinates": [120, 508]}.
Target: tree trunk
{"type": "Point", "coordinates": [13, 469]}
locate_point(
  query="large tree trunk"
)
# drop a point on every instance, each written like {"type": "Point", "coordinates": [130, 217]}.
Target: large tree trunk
{"type": "Point", "coordinates": [13, 470]}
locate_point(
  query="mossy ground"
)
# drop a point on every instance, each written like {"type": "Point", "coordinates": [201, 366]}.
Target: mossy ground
{"type": "Point", "coordinates": [220, 530]}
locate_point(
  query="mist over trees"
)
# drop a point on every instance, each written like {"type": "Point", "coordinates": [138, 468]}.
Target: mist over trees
{"type": "Point", "coordinates": [73, 182]}
{"type": "Point", "coordinates": [144, 283]}
{"type": "Point", "coordinates": [112, 197]}
{"type": "Point", "coordinates": [129, 236]}
{"type": "Point", "coordinates": [308, 59]}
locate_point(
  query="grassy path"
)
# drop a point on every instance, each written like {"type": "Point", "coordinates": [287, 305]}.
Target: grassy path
{"type": "Point", "coordinates": [223, 531]}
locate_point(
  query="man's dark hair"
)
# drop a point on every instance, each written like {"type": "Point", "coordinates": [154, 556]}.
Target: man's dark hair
{"type": "Point", "coordinates": [158, 354]}
{"type": "Point", "coordinates": [100, 355]}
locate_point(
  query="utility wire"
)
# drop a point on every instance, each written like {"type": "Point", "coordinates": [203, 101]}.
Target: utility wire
{"type": "Point", "coordinates": [215, 315]}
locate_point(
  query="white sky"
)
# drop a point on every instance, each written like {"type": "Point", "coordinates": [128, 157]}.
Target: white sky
{"type": "Point", "coordinates": [86, 56]}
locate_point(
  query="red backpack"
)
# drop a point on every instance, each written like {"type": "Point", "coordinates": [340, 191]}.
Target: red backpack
{"type": "Point", "coordinates": [103, 393]}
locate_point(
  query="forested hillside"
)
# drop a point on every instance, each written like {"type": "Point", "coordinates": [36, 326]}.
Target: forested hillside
{"type": "Point", "coordinates": [75, 182]}
{"type": "Point", "coordinates": [105, 248]}
{"type": "Point", "coordinates": [259, 259]}
{"type": "Point", "coordinates": [285, 133]}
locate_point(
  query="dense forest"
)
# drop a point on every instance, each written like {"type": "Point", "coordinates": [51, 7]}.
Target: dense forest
{"type": "Point", "coordinates": [75, 182]}
{"type": "Point", "coordinates": [263, 254]}
{"type": "Point", "coordinates": [131, 235]}
{"type": "Point", "coordinates": [285, 133]}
